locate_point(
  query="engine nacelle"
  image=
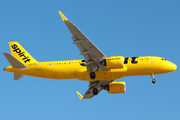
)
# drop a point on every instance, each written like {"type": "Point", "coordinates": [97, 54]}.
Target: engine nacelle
{"type": "Point", "coordinates": [117, 87]}
{"type": "Point", "coordinates": [115, 62]}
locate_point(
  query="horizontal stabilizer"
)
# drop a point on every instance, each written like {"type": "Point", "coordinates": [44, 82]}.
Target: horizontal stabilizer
{"type": "Point", "coordinates": [18, 76]}
{"type": "Point", "coordinates": [80, 96]}
{"type": "Point", "coordinates": [13, 61]}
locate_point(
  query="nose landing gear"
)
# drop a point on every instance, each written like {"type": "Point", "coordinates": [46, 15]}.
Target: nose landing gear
{"type": "Point", "coordinates": [92, 75]}
{"type": "Point", "coordinates": [153, 80]}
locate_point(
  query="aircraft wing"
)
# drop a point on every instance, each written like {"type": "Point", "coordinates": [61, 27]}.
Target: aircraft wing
{"type": "Point", "coordinates": [90, 52]}
{"type": "Point", "coordinates": [100, 85]}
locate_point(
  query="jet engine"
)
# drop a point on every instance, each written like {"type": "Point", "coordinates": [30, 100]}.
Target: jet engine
{"type": "Point", "coordinates": [115, 62]}
{"type": "Point", "coordinates": [117, 87]}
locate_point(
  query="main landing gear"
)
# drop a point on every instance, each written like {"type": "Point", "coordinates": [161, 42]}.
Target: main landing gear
{"type": "Point", "coordinates": [95, 91]}
{"type": "Point", "coordinates": [92, 75]}
{"type": "Point", "coordinates": [153, 80]}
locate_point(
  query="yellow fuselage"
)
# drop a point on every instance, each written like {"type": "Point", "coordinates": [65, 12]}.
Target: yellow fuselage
{"type": "Point", "coordinates": [73, 69]}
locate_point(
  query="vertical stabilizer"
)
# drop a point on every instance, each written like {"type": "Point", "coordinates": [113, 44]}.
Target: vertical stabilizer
{"type": "Point", "coordinates": [20, 53]}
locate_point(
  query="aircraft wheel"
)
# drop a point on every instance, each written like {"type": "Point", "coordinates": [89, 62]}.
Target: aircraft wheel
{"type": "Point", "coordinates": [92, 75]}
{"type": "Point", "coordinates": [95, 91]}
{"type": "Point", "coordinates": [153, 81]}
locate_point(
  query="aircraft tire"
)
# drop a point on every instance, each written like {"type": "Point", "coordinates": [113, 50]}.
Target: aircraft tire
{"type": "Point", "coordinates": [95, 91]}
{"type": "Point", "coordinates": [92, 75]}
{"type": "Point", "coordinates": [153, 81]}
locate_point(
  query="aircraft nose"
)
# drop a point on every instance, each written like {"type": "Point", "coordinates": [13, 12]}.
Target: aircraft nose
{"type": "Point", "coordinates": [172, 66]}
{"type": "Point", "coordinates": [169, 67]}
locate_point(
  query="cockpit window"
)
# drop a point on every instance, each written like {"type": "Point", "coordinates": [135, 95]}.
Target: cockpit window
{"type": "Point", "coordinates": [163, 59]}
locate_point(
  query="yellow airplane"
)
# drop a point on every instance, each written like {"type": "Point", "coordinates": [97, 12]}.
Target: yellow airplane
{"type": "Point", "coordinates": [99, 70]}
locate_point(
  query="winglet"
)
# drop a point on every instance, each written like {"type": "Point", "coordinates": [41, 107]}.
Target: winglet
{"type": "Point", "coordinates": [80, 96]}
{"type": "Point", "coordinates": [62, 16]}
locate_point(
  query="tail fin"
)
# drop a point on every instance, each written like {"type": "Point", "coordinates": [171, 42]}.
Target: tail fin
{"type": "Point", "coordinates": [20, 53]}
